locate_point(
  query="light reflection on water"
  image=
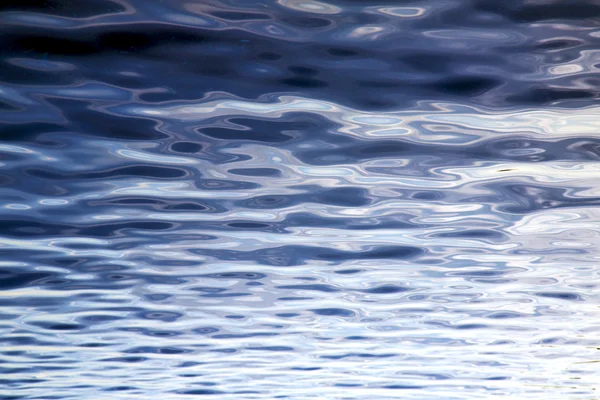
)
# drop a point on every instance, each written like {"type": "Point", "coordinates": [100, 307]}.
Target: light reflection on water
{"type": "Point", "coordinates": [299, 199]}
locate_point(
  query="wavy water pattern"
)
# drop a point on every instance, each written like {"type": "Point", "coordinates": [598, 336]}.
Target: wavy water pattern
{"type": "Point", "coordinates": [334, 199]}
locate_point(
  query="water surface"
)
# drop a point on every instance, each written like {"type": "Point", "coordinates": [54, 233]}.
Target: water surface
{"type": "Point", "coordinates": [299, 199]}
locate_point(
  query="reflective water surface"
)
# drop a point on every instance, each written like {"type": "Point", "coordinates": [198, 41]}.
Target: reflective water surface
{"type": "Point", "coordinates": [336, 199]}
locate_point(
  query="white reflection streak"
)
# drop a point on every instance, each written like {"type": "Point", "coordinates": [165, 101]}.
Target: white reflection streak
{"type": "Point", "coordinates": [548, 124]}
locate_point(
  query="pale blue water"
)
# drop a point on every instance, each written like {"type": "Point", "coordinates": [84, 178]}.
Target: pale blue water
{"type": "Point", "coordinates": [299, 199]}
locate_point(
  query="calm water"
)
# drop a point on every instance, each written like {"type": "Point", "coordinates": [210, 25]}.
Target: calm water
{"type": "Point", "coordinates": [337, 199]}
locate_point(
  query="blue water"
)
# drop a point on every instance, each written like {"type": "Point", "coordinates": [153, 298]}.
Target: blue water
{"type": "Point", "coordinates": [334, 199]}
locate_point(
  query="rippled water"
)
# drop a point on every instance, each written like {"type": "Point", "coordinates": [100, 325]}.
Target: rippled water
{"type": "Point", "coordinates": [337, 199]}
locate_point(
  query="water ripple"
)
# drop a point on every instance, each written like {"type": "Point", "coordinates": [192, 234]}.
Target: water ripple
{"type": "Point", "coordinates": [290, 199]}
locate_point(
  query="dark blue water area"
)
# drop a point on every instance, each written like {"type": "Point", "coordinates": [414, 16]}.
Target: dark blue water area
{"type": "Point", "coordinates": [333, 199]}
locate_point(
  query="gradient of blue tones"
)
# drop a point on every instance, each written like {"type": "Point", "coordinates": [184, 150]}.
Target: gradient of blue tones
{"type": "Point", "coordinates": [333, 199]}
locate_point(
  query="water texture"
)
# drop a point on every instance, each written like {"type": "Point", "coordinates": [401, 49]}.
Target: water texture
{"type": "Point", "coordinates": [333, 199]}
